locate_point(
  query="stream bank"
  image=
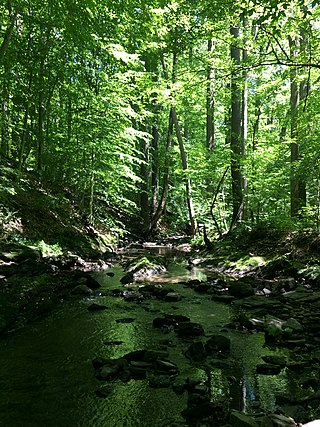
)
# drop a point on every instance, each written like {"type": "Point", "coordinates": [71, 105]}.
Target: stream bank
{"type": "Point", "coordinates": [189, 346]}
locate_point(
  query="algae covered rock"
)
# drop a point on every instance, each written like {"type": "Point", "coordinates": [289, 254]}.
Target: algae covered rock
{"type": "Point", "coordinates": [143, 267]}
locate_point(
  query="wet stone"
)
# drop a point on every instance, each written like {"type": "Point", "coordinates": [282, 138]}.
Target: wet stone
{"type": "Point", "coordinates": [169, 320]}
{"type": "Point", "coordinates": [137, 373]}
{"type": "Point", "coordinates": [176, 318]}
{"type": "Point", "coordinates": [166, 366]}
{"type": "Point", "coordinates": [113, 342]}
{"type": "Point", "coordinates": [98, 362]}
{"type": "Point", "coordinates": [82, 290]}
{"type": "Point", "coordinates": [154, 355]}
{"type": "Point", "coordinates": [125, 320]}
{"type": "Point", "coordinates": [218, 343]}
{"type": "Point", "coordinates": [196, 352]}
{"type": "Point", "coordinates": [110, 274]}
{"type": "Point", "coordinates": [167, 343]}
{"type": "Point", "coordinates": [281, 421]}
{"type": "Point", "coordinates": [189, 329]}
{"type": "Point", "coordinates": [241, 290]}
{"type": "Point", "coordinates": [226, 299]}
{"type": "Point", "coordinates": [239, 419]}
{"type": "Point", "coordinates": [97, 307]}
{"type": "Point", "coordinates": [298, 366]}
{"type": "Point", "coordinates": [104, 392]}
{"type": "Point", "coordinates": [132, 296]}
{"type": "Point", "coordinates": [135, 355]}
{"type": "Point", "coordinates": [160, 381]}
{"type": "Point", "coordinates": [293, 324]}
{"type": "Point", "coordinates": [173, 297]}
{"type": "Point", "coordinates": [275, 360]}
{"type": "Point", "coordinates": [92, 283]}
{"type": "Point", "coordinates": [160, 322]}
{"type": "Point", "coordinates": [117, 292]}
{"type": "Point", "coordinates": [198, 412]}
{"type": "Point", "coordinates": [179, 386]}
{"type": "Point", "coordinates": [202, 287]}
{"type": "Point", "coordinates": [140, 364]}
{"type": "Point", "coordinates": [161, 292]}
{"type": "Point", "coordinates": [127, 278]}
{"type": "Point", "coordinates": [108, 372]}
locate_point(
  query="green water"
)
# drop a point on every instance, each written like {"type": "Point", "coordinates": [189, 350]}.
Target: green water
{"type": "Point", "coordinates": [46, 374]}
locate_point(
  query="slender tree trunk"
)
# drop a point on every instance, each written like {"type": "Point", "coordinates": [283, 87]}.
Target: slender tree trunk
{"type": "Point", "coordinates": [69, 119]}
{"type": "Point", "coordinates": [236, 135]}
{"type": "Point", "coordinates": [304, 88]}
{"type": "Point", "coordinates": [8, 33]}
{"type": "Point", "coordinates": [144, 193]}
{"type": "Point", "coordinates": [210, 125]}
{"type": "Point", "coordinates": [5, 124]}
{"type": "Point", "coordinates": [155, 167]}
{"type": "Point", "coordinates": [244, 125]}
{"type": "Point", "coordinates": [41, 131]}
{"type": "Point", "coordinates": [184, 161]}
{"type": "Point", "coordinates": [23, 138]}
{"type": "Point", "coordinates": [165, 184]}
{"type": "Point", "coordinates": [92, 184]}
{"type": "Point", "coordinates": [296, 203]}
{"type": "Point", "coordinates": [183, 154]}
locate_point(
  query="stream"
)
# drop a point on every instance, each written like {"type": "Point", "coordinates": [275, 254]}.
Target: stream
{"type": "Point", "coordinates": [47, 378]}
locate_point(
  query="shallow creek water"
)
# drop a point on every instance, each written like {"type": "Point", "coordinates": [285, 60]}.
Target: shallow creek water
{"type": "Point", "coordinates": [46, 374]}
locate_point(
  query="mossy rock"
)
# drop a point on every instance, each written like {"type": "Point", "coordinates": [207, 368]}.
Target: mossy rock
{"type": "Point", "coordinates": [145, 266]}
{"type": "Point", "coordinates": [279, 266]}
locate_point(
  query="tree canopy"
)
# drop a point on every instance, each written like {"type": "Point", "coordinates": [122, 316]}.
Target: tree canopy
{"type": "Point", "coordinates": [179, 113]}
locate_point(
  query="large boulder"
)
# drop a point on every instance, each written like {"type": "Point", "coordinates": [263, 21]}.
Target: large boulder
{"type": "Point", "coordinates": [241, 289]}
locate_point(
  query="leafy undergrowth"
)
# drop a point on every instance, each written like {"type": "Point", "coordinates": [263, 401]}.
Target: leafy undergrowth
{"type": "Point", "coordinates": [272, 251]}
{"type": "Point", "coordinates": [44, 217]}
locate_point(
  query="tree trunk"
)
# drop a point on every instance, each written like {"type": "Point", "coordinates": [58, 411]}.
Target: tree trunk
{"type": "Point", "coordinates": [8, 33]}
{"type": "Point", "coordinates": [165, 184]}
{"type": "Point", "coordinates": [155, 165]}
{"type": "Point", "coordinates": [236, 135]}
{"type": "Point", "coordinates": [144, 194]}
{"type": "Point", "coordinates": [41, 126]}
{"type": "Point", "coordinates": [244, 125]}
{"type": "Point", "coordinates": [296, 187]}
{"type": "Point", "coordinates": [92, 184]}
{"type": "Point", "coordinates": [184, 161]}
{"type": "Point", "coordinates": [5, 121]}
{"type": "Point", "coordinates": [210, 125]}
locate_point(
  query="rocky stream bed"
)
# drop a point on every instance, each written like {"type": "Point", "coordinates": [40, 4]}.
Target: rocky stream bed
{"type": "Point", "coordinates": [134, 340]}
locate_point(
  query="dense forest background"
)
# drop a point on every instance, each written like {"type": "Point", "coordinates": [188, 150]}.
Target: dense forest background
{"type": "Point", "coordinates": [159, 114]}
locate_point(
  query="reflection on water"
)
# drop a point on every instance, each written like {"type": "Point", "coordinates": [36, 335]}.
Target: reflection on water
{"type": "Point", "coordinates": [46, 374]}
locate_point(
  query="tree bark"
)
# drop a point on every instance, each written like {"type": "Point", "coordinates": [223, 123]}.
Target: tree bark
{"type": "Point", "coordinates": [165, 184]}
{"type": "Point", "coordinates": [144, 194]}
{"type": "Point", "coordinates": [5, 121]}
{"type": "Point", "coordinates": [297, 187]}
{"type": "Point", "coordinates": [210, 124]}
{"type": "Point", "coordinates": [236, 135]}
{"type": "Point", "coordinates": [7, 35]}
{"type": "Point", "coordinates": [184, 161]}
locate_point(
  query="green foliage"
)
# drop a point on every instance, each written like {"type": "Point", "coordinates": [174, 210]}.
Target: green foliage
{"type": "Point", "coordinates": [83, 90]}
{"type": "Point", "coordinates": [48, 250]}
